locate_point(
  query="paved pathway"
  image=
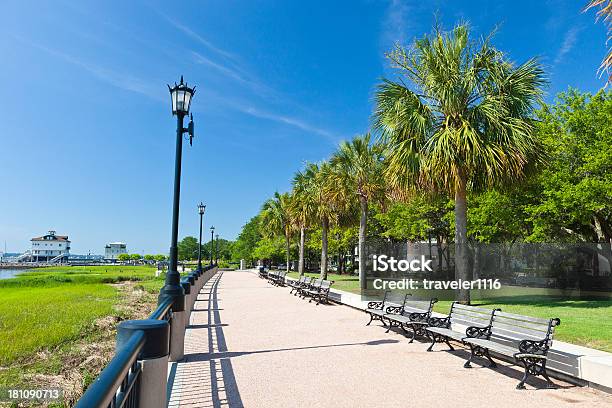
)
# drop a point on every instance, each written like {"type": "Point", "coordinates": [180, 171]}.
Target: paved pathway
{"type": "Point", "coordinates": [252, 344]}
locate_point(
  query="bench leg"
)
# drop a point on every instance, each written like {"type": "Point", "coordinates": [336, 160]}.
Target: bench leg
{"type": "Point", "coordinates": [448, 344]}
{"type": "Point", "coordinates": [391, 324]}
{"type": "Point", "coordinates": [414, 333]}
{"type": "Point", "coordinates": [433, 342]}
{"type": "Point", "coordinates": [492, 363]}
{"type": "Point", "coordinates": [473, 351]}
{"type": "Point", "coordinates": [371, 318]}
{"type": "Point", "coordinates": [534, 366]}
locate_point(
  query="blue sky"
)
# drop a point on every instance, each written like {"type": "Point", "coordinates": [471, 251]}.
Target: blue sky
{"type": "Point", "coordinates": [86, 133]}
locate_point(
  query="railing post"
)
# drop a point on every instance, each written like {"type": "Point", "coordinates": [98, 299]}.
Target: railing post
{"type": "Point", "coordinates": [153, 358]}
{"type": "Point", "coordinates": [187, 288]}
{"type": "Point", "coordinates": [194, 289]}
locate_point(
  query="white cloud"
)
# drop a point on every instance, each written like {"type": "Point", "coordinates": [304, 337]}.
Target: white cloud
{"type": "Point", "coordinates": [117, 79]}
{"type": "Point", "coordinates": [189, 32]}
{"type": "Point", "coordinates": [395, 23]}
{"type": "Point", "coordinates": [569, 41]}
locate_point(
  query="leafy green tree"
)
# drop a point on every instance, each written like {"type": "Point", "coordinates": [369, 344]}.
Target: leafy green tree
{"type": "Point", "coordinates": [149, 257]}
{"type": "Point", "coordinates": [123, 257]}
{"type": "Point", "coordinates": [575, 191]}
{"type": "Point", "coordinates": [270, 248]}
{"type": "Point", "coordinates": [359, 176]}
{"type": "Point", "coordinates": [160, 258]}
{"type": "Point", "coordinates": [188, 249]}
{"type": "Point", "coordinates": [465, 123]}
{"type": "Point", "coordinates": [135, 257]}
{"type": "Point", "coordinates": [246, 243]}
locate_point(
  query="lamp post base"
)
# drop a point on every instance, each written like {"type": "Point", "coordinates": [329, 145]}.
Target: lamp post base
{"type": "Point", "coordinates": [174, 292]}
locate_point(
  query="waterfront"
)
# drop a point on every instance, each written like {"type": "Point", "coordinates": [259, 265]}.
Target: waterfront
{"type": "Point", "coordinates": [10, 273]}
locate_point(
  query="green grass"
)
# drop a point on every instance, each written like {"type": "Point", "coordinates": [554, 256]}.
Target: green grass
{"type": "Point", "coordinates": [583, 322]}
{"type": "Point", "coordinates": [47, 315]}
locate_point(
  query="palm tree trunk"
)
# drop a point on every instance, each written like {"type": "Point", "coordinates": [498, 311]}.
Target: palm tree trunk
{"type": "Point", "coordinates": [301, 260]}
{"type": "Point", "coordinates": [288, 246]}
{"type": "Point", "coordinates": [461, 256]}
{"type": "Point", "coordinates": [324, 227]}
{"type": "Point", "coordinates": [362, 236]}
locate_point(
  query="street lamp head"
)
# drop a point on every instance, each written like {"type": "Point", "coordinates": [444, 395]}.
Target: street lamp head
{"type": "Point", "coordinates": [212, 229]}
{"type": "Point", "coordinates": [181, 97]}
{"type": "Point", "coordinates": [201, 208]}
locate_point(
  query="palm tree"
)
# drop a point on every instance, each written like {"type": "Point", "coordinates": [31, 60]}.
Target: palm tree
{"type": "Point", "coordinates": [359, 172]}
{"type": "Point", "coordinates": [276, 217]}
{"type": "Point", "coordinates": [465, 122]}
{"type": "Point", "coordinates": [315, 186]}
{"type": "Point", "coordinates": [303, 209]}
{"type": "Point", "coordinates": [605, 13]}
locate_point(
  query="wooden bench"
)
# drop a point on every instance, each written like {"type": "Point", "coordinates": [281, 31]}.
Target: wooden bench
{"type": "Point", "coordinates": [320, 293]}
{"type": "Point", "coordinates": [314, 285]}
{"type": "Point", "coordinates": [461, 318]}
{"type": "Point", "coordinates": [412, 313]}
{"type": "Point", "coordinates": [526, 339]}
{"type": "Point", "coordinates": [302, 286]}
{"type": "Point", "coordinates": [262, 272]}
{"type": "Point", "coordinates": [279, 278]}
{"type": "Point", "coordinates": [294, 284]}
{"type": "Point", "coordinates": [377, 309]}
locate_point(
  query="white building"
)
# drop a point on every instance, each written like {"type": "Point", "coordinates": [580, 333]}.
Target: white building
{"type": "Point", "coordinates": [50, 248]}
{"type": "Point", "coordinates": [114, 249]}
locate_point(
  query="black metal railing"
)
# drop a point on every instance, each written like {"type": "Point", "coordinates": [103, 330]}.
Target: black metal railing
{"type": "Point", "coordinates": [118, 384]}
{"type": "Point", "coordinates": [115, 385]}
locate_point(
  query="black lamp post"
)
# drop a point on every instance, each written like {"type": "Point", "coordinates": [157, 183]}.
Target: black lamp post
{"type": "Point", "coordinates": [212, 242]}
{"type": "Point", "coordinates": [217, 248]}
{"type": "Point", "coordinates": [201, 209]}
{"type": "Point", "coordinates": [181, 96]}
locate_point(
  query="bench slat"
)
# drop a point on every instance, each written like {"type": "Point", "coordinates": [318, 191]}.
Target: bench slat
{"type": "Point", "coordinates": [466, 313]}
{"type": "Point", "coordinates": [530, 328]}
{"type": "Point", "coordinates": [516, 334]}
{"type": "Point", "coordinates": [538, 320]}
{"type": "Point", "coordinates": [469, 322]}
{"type": "Point", "coordinates": [472, 321]}
{"type": "Point", "coordinates": [471, 308]}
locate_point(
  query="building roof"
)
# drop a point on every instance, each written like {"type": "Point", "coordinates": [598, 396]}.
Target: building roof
{"type": "Point", "coordinates": [51, 238]}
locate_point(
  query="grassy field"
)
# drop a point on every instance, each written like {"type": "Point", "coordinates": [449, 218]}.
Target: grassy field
{"type": "Point", "coordinates": [52, 320]}
{"type": "Point", "coordinates": [583, 322]}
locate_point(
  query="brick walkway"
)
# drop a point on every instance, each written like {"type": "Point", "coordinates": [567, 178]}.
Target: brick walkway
{"type": "Point", "coordinates": [251, 344]}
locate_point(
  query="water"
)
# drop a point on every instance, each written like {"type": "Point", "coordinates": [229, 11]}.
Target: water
{"type": "Point", "coordinates": [10, 273]}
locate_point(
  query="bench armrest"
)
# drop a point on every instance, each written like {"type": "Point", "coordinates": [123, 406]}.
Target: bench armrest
{"type": "Point", "coordinates": [533, 347]}
{"type": "Point", "coordinates": [443, 322]}
{"type": "Point", "coordinates": [478, 332]}
{"type": "Point", "coordinates": [418, 317]}
{"type": "Point", "coordinates": [375, 305]}
{"type": "Point", "coordinates": [394, 309]}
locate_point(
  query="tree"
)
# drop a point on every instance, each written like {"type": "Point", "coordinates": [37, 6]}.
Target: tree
{"type": "Point", "coordinates": [247, 241]}
{"type": "Point", "coordinates": [149, 257]}
{"type": "Point", "coordinates": [303, 210]}
{"type": "Point", "coordinates": [123, 257]}
{"type": "Point", "coordinates": [160, 258]}
{"type": "Point", "coordinates": [135, 257]}
{"type": "Point", "coordinates": [465, 124]}
{"type": "Point", "coordinates": [315, 186]}
{"type": "Point", "coordinates": [575, 191]}
{"type": "Point", "coordinates": [359, 176]}
{"type": "Point", "coordinates": [276, 219]}
{"type": "Point", "coordinates": [188, 249]}
{"type": "Point", "coordinates": [605, 13]}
